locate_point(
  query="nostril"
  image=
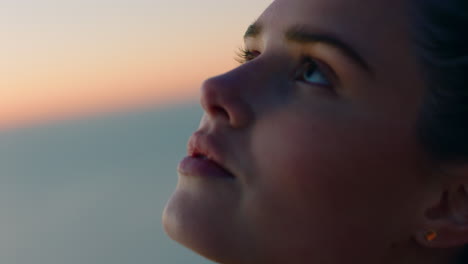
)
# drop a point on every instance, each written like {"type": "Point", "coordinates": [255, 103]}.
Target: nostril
{"type": "Point", "coordinates": [217, 110]}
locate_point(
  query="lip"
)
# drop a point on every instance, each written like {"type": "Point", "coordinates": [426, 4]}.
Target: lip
{"type": "Point", "coordinates": [204, 158]}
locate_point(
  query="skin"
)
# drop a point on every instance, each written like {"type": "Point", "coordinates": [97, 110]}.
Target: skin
{"type": "Point", "coordinates": [323, 174]}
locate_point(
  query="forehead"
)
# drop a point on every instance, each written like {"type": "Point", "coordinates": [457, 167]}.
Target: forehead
{"type": "Point", "coordinates": [369, 25]}
{"type": "Point", "coordinates": [344, 12]}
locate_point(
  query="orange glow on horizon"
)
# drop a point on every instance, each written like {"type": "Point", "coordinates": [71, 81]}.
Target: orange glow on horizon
{"type": "Point", "coordinates": [73, 94]}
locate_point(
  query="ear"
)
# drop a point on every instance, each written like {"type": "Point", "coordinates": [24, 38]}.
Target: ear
{"type": "Point", "coordinates": [446, 220]}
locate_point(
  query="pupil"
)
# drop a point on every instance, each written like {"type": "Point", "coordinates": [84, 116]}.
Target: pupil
{"type": "Point", "coordinates": [311, 68]}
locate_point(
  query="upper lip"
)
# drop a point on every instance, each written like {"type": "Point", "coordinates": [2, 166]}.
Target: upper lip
{"type": "Point", "coordinates": [207, 146]}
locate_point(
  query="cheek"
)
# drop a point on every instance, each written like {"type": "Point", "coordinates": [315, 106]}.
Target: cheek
{"type": "Point", "coordinates": [328, 177]}
{"type": "Point", "coordinates": [294, 149]}
{"type": "Point", "coordinates": [300, 154]}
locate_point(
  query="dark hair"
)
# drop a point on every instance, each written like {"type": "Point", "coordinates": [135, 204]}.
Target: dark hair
{"type": "Point", "coordinates": [441, 37]}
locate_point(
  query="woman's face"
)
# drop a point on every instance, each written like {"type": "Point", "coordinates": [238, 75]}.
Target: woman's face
{"type": "Point", "coordinates": [318, 130]}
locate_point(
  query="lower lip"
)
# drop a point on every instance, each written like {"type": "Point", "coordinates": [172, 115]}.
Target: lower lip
{"type": "Point", "coordinates": [191, 166]}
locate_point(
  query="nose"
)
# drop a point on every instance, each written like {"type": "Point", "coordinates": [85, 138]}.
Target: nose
{"type": "Point", "coordinates": [225, 98]}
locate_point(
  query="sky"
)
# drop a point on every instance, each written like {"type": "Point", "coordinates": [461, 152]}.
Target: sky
{"type": "Point", "coordinates": [67, 58]}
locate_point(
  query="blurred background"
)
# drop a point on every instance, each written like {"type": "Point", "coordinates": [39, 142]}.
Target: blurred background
{"type": "Point", "coordinates": [97, 101]}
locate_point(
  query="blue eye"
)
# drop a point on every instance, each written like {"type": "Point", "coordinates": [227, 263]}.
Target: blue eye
{"type": "Point", "coordinates": [312, 74]}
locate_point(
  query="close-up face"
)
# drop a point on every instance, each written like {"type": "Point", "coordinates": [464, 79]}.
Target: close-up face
{"type": "Point", "coordinates": [309, 147]}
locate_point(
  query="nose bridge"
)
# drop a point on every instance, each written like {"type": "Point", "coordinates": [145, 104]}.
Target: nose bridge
{"type": "Point", "coordinates": [244, 80]}
{"type": "Point", "coordinates": [232, 95]}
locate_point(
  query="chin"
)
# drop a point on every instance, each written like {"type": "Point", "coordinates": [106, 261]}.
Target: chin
{"type": "Point", "coordinates": [191, 223]}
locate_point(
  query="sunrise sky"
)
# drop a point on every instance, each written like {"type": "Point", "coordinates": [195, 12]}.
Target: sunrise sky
{"type": "Point", "coordinates": [62, 58]}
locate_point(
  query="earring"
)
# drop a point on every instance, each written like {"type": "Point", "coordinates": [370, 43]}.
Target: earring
{"type": "Point", "coordinates": [430, 236]}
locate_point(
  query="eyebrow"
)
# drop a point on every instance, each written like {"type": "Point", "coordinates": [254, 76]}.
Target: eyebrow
{"type": "Point", "coordinates": [300, 35]}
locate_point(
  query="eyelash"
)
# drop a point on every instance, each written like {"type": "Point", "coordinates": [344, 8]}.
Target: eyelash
{"type": "Point", "coordinates": [244, 55]}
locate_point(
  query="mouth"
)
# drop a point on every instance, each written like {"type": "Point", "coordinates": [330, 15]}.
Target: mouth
{"type": "Point", "coordinates": [204, 158]}
{"type": "Point", "coordinates": [200, 156]}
